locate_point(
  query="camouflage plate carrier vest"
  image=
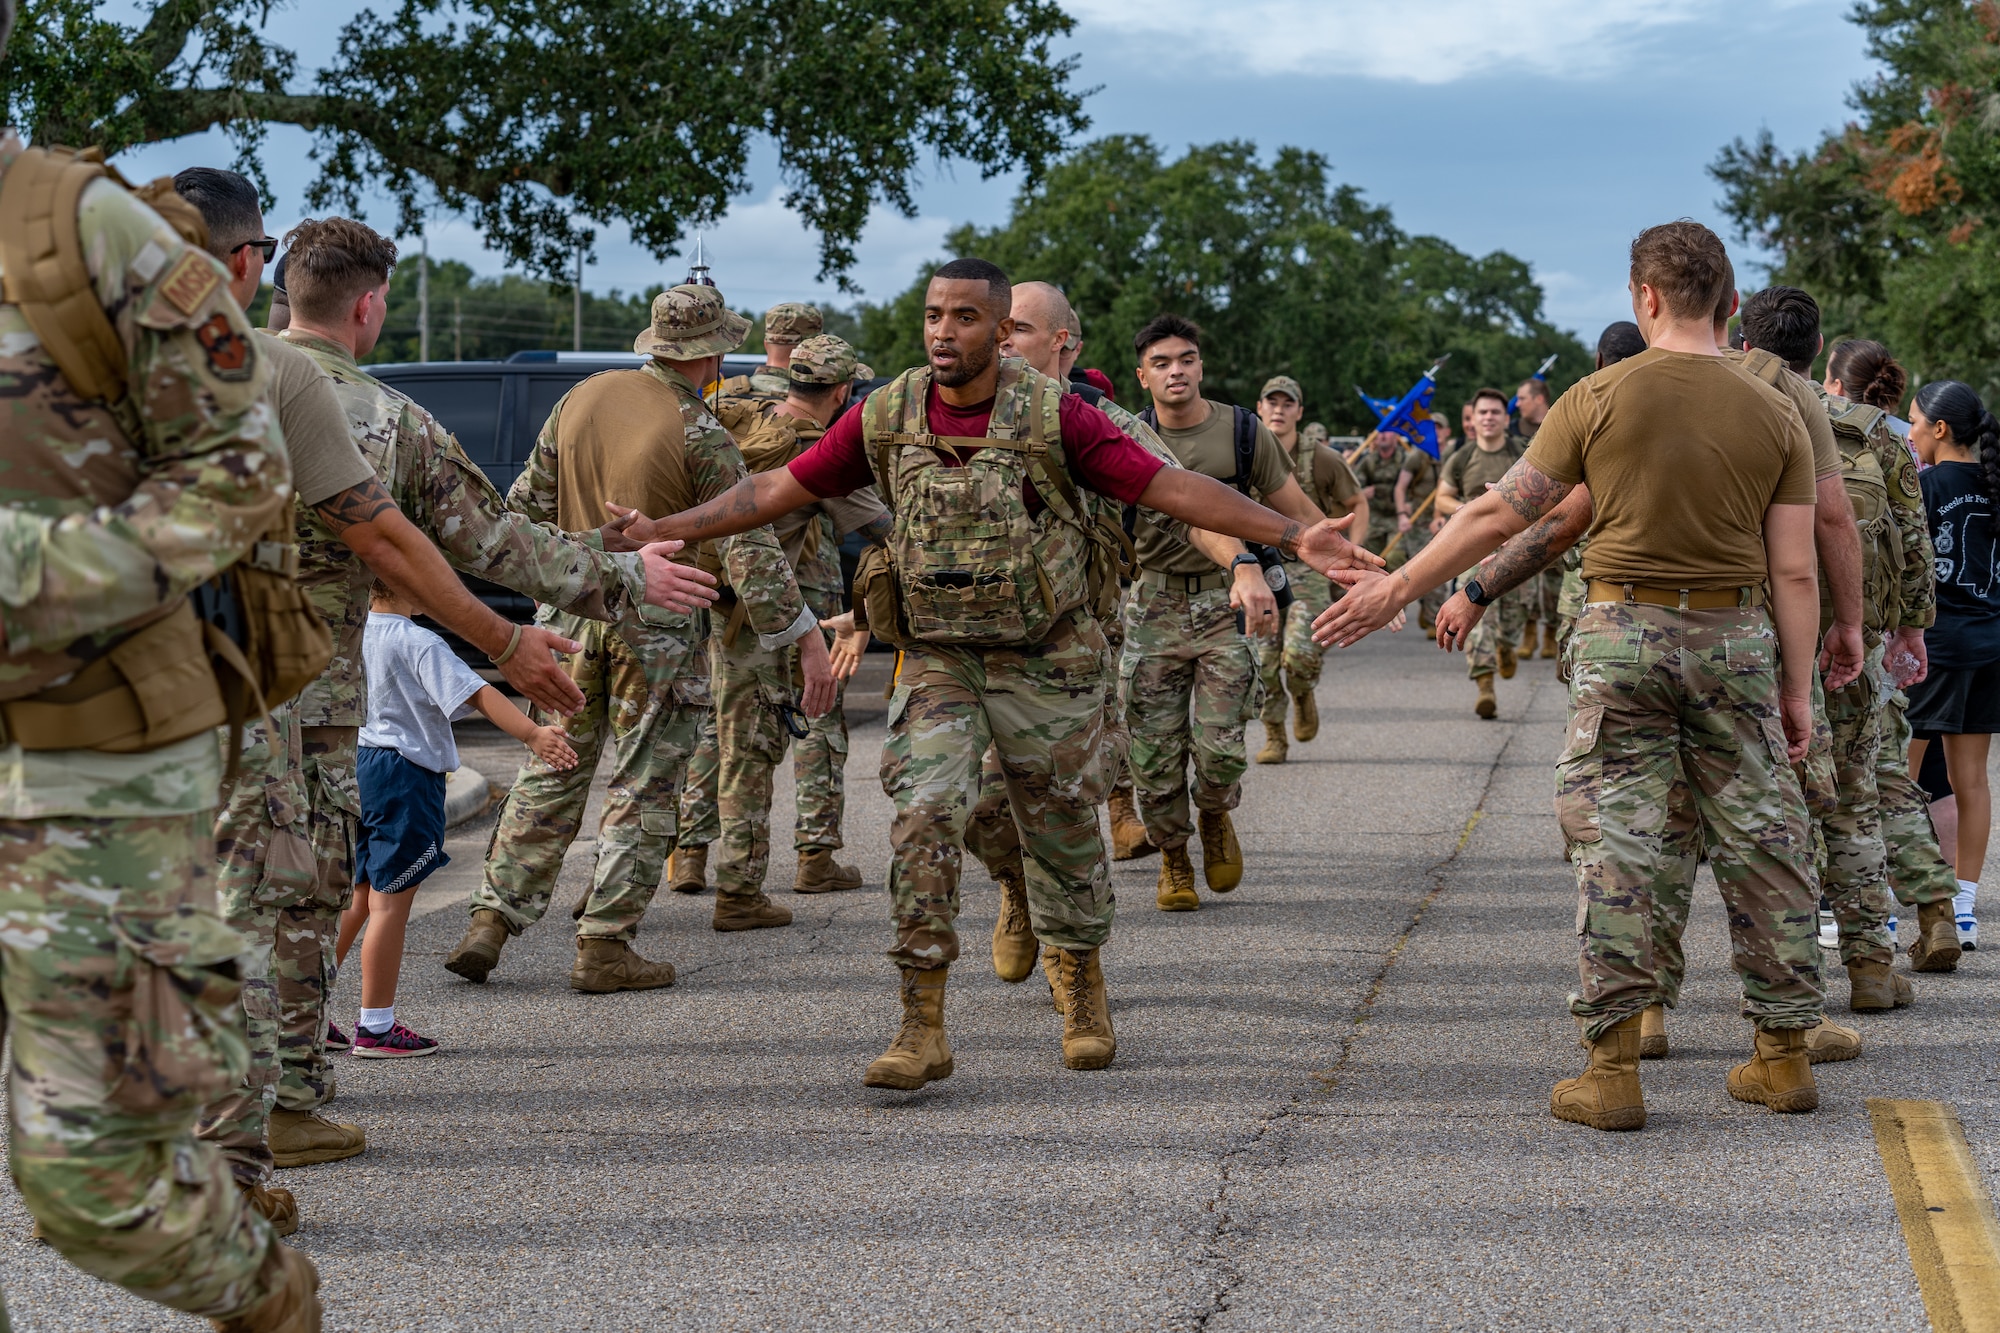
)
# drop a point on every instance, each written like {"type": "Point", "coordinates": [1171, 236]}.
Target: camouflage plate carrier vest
{"type": "Point", "coordinates": [1867, 483]}
{"type": "Point", "coordinates": [966, 563]}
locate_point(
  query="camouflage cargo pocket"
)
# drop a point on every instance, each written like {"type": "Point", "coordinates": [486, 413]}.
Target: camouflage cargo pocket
{"type": "Point", "coordinates": [1579, 776]}
{"type": "Point", "coordinates": [183, 1039]}
{"type": "Point", "coordinates": [289, 865]}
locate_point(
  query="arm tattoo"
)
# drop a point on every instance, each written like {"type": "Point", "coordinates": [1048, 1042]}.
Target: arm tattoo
{"type": "Point", "coordinates": [357, 504]}
{"type": "Point", "coordinates": [1529, 491]}
{"type": "Point", "coordinates": [1525, 555]}
{"type": "Point", "coordinates": [1288, 541]}
{"type": "Point", "coordinates": [739, 501]}
{"type": "Point", "coordinates": [877, 531]}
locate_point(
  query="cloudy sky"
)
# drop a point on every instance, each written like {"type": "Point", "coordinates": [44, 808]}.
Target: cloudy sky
{"type": "Point", "coordinates": [1554, 129]}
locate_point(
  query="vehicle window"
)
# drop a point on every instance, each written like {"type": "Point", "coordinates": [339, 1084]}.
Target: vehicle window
{"type": "Point", "coordinates": [469, 407]}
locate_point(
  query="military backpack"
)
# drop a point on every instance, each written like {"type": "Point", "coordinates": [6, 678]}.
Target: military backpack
{"type": "Point", "coordinates": [1867, 484]}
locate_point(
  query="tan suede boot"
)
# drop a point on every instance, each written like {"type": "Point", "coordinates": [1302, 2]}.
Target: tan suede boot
{"type": "Point", "coordinates": [293, 1303]}
{"type": "Point", "coordinates": [1653, 1032]}
{"type": "Point", "coordinates": [1778, 1074]}
{"type": "Point", "coordinates": [1014, 943]}
{"type": "Point", "coordinates": [604, 966]}
{"type": "Point", "coordinates": [1176, 888]}
{"type": "Point", "coordinates": [1829, 1041]}
{"type": "Point", "coordinates": [1052, 973]}
{"type": "Point", "coordinates": [820, 873]}
{"type": "Point", "coordinates": [1488, 704]}
{"type": "Point", "coordinates": [1305, 715]}
{"type": "Point", "coordinates": [921, 1052]}
{"type": "Point", "coordinates": [1129, 840]}
{"type": "Point", "coordinates": [1874, 987]}
{"type": "Point", "coordinates": [1088, 1041]}
{"type": "Point", "coordinates": [479, 952]}
{"type": "Point", "coordinates": [275, 1204]}
{"type": "Point", "coordinates": [1275, 749]}
{"type": "Point", "coordinates": [748, 911]}
{"type": "Point", "coordinates": [1508, 661]}
{"type": "Point", "coordinates": [1936, 947]}
{"type": "Point", "coordinates": [1549, 649]}
{"type": "Point", "coordinates": [687, 869]}
{"type": "Point", "coordinates": [1606, 1095]}
{"type": "Point", "coordinates": [303, 1138]}
{"type": "Point", "coordinates": [1221, 854]}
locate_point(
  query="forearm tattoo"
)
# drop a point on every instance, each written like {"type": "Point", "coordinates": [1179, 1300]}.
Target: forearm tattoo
{"type": "Point", "coordinates": [1529, 491]}
{"type": "Point", "coordinates": [1288, 542]}
{"type": "Point", "coordinates": [737, 503]}
{"type": "Point", "coordinates": [1525, 555]}
{"type": "Point", "coordinates": [357, 504]}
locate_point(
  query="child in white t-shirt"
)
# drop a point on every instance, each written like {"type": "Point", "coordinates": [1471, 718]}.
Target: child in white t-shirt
{"type": "Point", "coordinates": [417, 687]}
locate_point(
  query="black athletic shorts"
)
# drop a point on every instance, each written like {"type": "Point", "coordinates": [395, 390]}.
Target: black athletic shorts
{"type": "Point", "coordinates": [1960, 701]}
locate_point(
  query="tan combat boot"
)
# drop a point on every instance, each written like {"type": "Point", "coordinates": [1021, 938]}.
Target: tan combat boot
{"type": "Point", "coordinates": [1653, 1032]}
{"type": "Point", "coordinates": [1936, 947]}
{"type": "Point", "coordinates": [1221, 855]}
{"type": "Point", "coordinates": [302, 1138]}
{"type": "Point", "coordinates": [1129, 840]}
{"type": "Point", "coordinates": [1508, 661]}
{"type": "Point", "coordinates": [1488, 704]}
{"type": "Point", "coordinates": [1778, 1074]}
{"type": "Point", "coordinates": [820, 873]}
{"type": "Point", "coordinates": [1088, 1041]}
{"type": "Point", "coordinates": [479, 952]}
{"type": "Point", "coordinates": [1606, 1095]}
{"type": "Point", "coordinates": [1874, 987]}
{"type": "Point", "coordinates": [275, 1204]}
{"type": "Point", "coordinates": [1176, 888]}
{"type": "Point", "coordinates": [1829, 1041]}
{"type": "Point", "coordinates": [748, 911]}
{"type": "Point", "coordinates": [1052, 973]}
{"type": "Point", "coordinates": [293, 1303]}
{"type": "Point", "coordinates": [1550, 650]}
{"type": "Point", "coordinates": [604, 966]}
{"type": "Point", "coordinates": [687, 869]}
{"type": "Point", "coordinates": [1014, 943]}
{"type": "Point", "coordinates": [1275, 749]}
{"type": "Point", "coordinates": [921, 1052]}
{"type": "Point", "coordinates": [1305, 715]}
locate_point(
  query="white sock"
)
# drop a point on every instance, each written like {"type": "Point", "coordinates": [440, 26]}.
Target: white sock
{"type": "Point", "coordinates": [1968, 889]}
{"type": "Point", "coordinates": [378, 1021]}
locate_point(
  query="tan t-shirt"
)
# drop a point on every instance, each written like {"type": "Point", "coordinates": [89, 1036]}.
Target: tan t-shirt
{"type": "Point", "coordinates": [1765, 366]}
{"type": "Point", "coordinates": [1472, 469]}
{"type": "Point", "coordinates": [1210, 448]}
{"type": "Point", "coordinates": [325, 461]}
{"type": "Point", "coordinates": [1683, 453]}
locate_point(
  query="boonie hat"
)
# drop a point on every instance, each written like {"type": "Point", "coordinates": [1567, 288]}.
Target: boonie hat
{"type": "Point", "coordinates": [825, 359]}
{"type": "Point", "coordinates": [690, 321]}
{"type": "Point", "coordinates": [1282, 384]}
{"type": "Point", "coordinates": [789, 323]}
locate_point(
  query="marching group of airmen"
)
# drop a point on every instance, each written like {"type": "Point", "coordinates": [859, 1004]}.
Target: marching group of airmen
{"type": "Point", "coordinates": [1088, 606]}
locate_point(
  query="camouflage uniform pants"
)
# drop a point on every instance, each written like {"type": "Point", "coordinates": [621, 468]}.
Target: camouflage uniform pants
{"type": "Point", "coordinates": [1042, 709]}
{"type": "Point", "coordinates": [701, 791]}
{"type": "Point", "coordinates": [1543, 596]}
{"type": "Point", "coordinates": [1189, 684]}
{"type": "Point", "coordinates": [643, 701]}
{"type": "Point", "coordinates": [1917, 870]}
{"type": "Point", "coordinates": [1503, 622]}
{"type": "Point", "coordinates": [1290, 662]}
{"type": "Point", "coordinates": [1658, 694]}
{"type": "Point", "coordinates": [119, 988]}
{"type": "Point", "coordinates": [307, 932]}
{"type": "Point", "coordinates": [1854, 876]}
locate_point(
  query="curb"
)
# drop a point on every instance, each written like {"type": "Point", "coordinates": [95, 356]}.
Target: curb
{"type": "Point", "coordinates": [466, 796]}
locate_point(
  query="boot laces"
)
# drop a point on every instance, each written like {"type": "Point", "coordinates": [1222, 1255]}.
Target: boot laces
{"type": "Point", "coordinates": [1013, 909]}
{"type": "Point", "coordinates": [1080, 1013]}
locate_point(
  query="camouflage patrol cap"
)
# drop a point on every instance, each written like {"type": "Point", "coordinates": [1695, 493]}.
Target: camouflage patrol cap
{"type": "Point", "coordinates": [789, 323]}
{"type": "Point", "coordinates": [825, 359]}
{"type": "Point", "coordinates": [691, 321]}
{"type": "Point", "coordinates": [1316, 432]}
{"type": "Point", "coordinates": [1284, 384]}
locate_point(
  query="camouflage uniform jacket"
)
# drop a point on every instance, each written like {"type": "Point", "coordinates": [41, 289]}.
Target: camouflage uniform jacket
{"type": "Point", "coordinates": [451, 501]}
{"type": "Point", "coordinates": [1423, 470]}
{"type": "Point", "coordinates": [1918, 578]}
{"type": "Point", "coordinates": [752, 562]}
{"type": "Point", "coordinates": [113, 513]}
{"type": "Point", "coordinates": [1371, 469]}
{"type": "Point", "coordinates": [817, 563]}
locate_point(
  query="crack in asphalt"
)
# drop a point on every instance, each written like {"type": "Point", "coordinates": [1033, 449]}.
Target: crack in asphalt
{"type": "Point", "coordinates": [1217, 1243]}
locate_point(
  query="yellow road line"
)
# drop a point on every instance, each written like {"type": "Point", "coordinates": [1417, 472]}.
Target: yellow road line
{"type": "Point", "coordinates": [1947, 1218]}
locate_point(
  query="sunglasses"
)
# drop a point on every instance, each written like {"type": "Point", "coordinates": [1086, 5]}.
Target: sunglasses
{"type": "Point", "coordinates": [269, 246]}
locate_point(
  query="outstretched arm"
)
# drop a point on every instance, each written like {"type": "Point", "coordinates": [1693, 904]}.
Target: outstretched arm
{"type": "Point", "coordinates": [750, 503]}
{"type": "Point", "coordinates": [1202, 501]}
{"type": "Point", "coordinates": [1524, 556]}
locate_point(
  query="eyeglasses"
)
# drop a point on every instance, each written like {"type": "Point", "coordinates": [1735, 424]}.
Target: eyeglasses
{"type": "Point", "coordinates": [269, 246]}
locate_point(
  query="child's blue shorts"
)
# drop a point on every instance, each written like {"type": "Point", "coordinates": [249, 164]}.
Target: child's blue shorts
{"type": "Point", "coordinates": [402, 821]}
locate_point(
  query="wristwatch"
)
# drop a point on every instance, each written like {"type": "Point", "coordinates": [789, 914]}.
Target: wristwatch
{"type": "Point", "coordinates": [1476, 593]}
{"type": "Point", "coordinates": [1243, 558]}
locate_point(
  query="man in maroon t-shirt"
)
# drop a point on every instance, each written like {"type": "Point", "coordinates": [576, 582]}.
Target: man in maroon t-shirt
{"type": "Point", "coordinates": [1041, 704]}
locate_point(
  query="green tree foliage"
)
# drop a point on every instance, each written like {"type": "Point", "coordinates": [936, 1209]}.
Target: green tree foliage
{"type": "Point", "coordinates": [1286, 273]}
{"type": "Point", "coordinates": [539, 119]}
{"type": "Point", "coordinates": [1890, 221]}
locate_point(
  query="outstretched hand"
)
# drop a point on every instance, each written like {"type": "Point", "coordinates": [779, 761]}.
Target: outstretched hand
{"type": "Point", "coordinates": [537, 676]}
{"type": "Point", "coordinates": [1455, 622]}
{"type": "Point", "coordinates": [1326, 548]}
{"type": "Point", "coordinates": [676, 587]}
{"type": "Point", "coordinates": [629, 528]}
{"type": "Point", "coordinates": [1372, 602]}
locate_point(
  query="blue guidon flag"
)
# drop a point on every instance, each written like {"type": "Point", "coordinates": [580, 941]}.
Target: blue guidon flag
{"type": "Point", "coordinates": [1410, 415]}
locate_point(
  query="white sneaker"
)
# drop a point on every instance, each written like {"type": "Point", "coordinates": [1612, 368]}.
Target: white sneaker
{"type": "Point", "coordinates": [1968, 932]}
{"type": "Point", "coordinates": [1829, 931]}
{"type": "Point", "coordinates": [1892, 931]}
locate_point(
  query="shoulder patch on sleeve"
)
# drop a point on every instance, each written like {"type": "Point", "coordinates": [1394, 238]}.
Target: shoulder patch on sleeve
{"type": "Point", "coordinates": [228, 351]}
{"type": "Point", "coordinates": [190, 282]}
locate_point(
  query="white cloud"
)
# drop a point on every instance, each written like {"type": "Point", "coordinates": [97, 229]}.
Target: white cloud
{"type": "Point", "coordinates": [1416, 41]}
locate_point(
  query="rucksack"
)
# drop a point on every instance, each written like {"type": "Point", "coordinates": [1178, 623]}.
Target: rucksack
{"type": "Point", "coordinates": [1867, 485]}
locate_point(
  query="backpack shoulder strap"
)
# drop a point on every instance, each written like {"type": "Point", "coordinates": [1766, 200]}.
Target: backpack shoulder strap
{"type": "Point", "coordinates": [1246, 448]}
{"type": "Point", "coordinates": [46, 274]}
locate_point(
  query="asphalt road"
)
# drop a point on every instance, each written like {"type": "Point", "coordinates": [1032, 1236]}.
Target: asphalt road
{"type": "Point", "coordinates": [1328, 1110]}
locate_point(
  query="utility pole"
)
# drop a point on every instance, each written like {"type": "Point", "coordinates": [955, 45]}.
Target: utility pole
{"type": "Point", "coordinates": [424, 300]}
{"type": "Point", "coordinates": [457, 330]}
{"type": "Point", "coordinates": [576, 305]}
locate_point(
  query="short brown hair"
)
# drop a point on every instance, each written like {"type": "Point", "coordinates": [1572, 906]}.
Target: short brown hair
{"type": "Point", "coordinates": [1494, 394]}
{"type": "Point", "coordinates": [328, 264]}
{"type": "Point", "coordinates": [1686, 264]}
{"type": "Point", "coordinates": [1539, 388]}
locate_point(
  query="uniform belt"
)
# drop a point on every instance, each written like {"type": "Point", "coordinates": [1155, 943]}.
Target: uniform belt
{"type": "Point", "coordinates": [1189, 584]}
{"type": "Point", "coordinates": [1685, 599]}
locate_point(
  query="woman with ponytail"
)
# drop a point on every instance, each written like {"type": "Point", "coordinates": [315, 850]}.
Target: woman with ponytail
{"type": "Point", "coordinates": [1862, 371]}
{"type": "Point", "coordinates": [1958, 703]}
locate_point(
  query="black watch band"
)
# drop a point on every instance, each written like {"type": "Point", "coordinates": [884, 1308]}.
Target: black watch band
{"type": "Point", "coordinates": [1243, 558]}
{"type": "Point", "coordinates": [1476, 593]}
